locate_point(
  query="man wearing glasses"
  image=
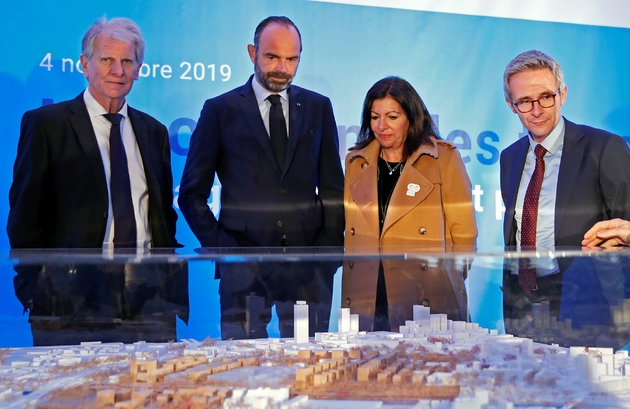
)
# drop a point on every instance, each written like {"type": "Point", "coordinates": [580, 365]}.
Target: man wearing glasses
{"type": "Point", "coordinates": [586, 172]}
{"type": "Point", "coordinates": [556, 183]}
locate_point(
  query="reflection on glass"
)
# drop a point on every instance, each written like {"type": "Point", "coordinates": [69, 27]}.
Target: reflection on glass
{"type": "Point", "coordinates": [248, 291]}
{"type": "Point", "coordinates": [583, 303]}
{"type": "Point", "coordinates": [384, 291]}
{"type": "Point", "coordinates": [108, 302]}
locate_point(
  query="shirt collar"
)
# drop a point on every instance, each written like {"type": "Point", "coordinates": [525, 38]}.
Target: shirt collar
{"type": "Point", "coordinates": [96, 109]}
{"type": "Point", "coordinates": [554, 140]}
{"type": "Point", "coordinates": [262, 94]}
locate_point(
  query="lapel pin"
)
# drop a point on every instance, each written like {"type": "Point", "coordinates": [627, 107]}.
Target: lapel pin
{"type": "Point", "coordinates": [412, 188]}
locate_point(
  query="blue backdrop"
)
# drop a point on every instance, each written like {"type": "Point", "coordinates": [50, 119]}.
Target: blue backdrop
{"type": "Point", "coordinates": [197, 50]}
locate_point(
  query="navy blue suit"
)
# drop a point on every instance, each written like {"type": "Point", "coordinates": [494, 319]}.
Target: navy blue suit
{"type": "Point", "coordinates": [261, 203]}
{"type": "Point", "coordinates": [264, 205]}
{"type": "Point", "coordinates": [59, 195]}
{"type": "Point", "coordinates": [593, 183]}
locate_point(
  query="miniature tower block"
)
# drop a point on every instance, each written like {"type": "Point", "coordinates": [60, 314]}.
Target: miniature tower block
{"type": "Point", "coordinates": [300, 322]}
{"type": "Point", "coordinates": [343, 324]}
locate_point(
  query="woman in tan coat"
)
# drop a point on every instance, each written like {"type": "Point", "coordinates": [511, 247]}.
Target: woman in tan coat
{"type": "Point", "coordinates": [406, 190]}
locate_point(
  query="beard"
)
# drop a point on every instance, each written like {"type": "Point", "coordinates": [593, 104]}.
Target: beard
{"type": "Point", "coordinates": [273, 81]}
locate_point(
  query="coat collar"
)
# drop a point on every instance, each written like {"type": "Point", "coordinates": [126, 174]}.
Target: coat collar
{"type": "Point", "coordinates": [372, 151]}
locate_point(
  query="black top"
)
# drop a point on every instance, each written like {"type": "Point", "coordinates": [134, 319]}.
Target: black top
{"type": "Point", "coordinates": [387, 177]}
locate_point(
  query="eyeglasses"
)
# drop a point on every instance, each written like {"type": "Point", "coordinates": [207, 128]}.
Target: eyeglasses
{"type": "Point", "coordinates": [545, 101]}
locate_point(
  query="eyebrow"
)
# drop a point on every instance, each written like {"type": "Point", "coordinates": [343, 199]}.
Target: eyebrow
{"type": "Point", "coordinates": [277, 56]}
{"type": "Point", "coordinates": [539, 95]}
{"type": "Point", "coordinates": [387, 113]}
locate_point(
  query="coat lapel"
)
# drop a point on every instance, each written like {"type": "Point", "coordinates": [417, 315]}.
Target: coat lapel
{"type": "Point", "coordinates": [82, 125]}
{"type": "Point", "coordinates": [364, 186]}
{"type": "Point", "coordinates": [363, 189]}
{"type": "Point", "coordinates": [572, 156]}
{"type": "Point", "coordinates": [249, 106]}
{"type": "Point", "coordinates": [405, 198]}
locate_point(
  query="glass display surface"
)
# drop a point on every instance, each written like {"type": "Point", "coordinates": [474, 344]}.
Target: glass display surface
{"type": "Point", "coordinates": [239, 297]}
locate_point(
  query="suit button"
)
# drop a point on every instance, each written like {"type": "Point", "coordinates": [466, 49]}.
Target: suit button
{"type": "Point", "coordinates": [425, 302]}
{"type": "Point", "coordinates": [280, 223]}
{"type": "Point", "coordinates": [348, 301]}
{"type": "Point", "coordinates": [351, 265]}
{"type": "Point", "coordinates": [352, 231]}
{"type": "Point", "coordinates": [105, 215]}
{"type": "Point", "coordinates": [364, 165]}
{"type": "Point", "coordinates": [422, 231]}
{"type": "Point", "coordinates": [283, 191]}
{"type": "Point", "coordinates": [423, 266]}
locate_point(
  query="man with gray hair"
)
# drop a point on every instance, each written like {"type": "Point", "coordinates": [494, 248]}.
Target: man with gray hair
{"type": "Point", "coordinates": [586, 172]}
{"type": "Point", "coordinates": [93, 172]}
{"type": "Point", "coordinates": [556, 182]}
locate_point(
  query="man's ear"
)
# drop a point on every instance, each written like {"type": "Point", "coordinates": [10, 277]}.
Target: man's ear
{"type": "Point", "coordinates": [252, 52]}
{"type": "Point", "coordinates": [511, 105]}
{"type": "Point", "coordinates": [84, 65]}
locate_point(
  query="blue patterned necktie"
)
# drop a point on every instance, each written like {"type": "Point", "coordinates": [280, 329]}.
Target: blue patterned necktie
{"type": "Point", "coordinates": [120, 187]}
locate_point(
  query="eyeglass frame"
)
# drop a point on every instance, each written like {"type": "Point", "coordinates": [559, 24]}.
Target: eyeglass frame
{"type": "Point", "coordinates": [516, 104]}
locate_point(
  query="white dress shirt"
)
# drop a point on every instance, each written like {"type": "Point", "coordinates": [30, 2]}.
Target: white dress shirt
{"type": "Point", "coordinates": [139, 189]}
{"type": "Point", "coordinates": [545, 236]}
{"type": "Point", "coordinates": [264, 104]}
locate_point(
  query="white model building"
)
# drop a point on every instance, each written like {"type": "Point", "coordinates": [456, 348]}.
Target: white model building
{"type": "Point", "coordinates": [300, 322]}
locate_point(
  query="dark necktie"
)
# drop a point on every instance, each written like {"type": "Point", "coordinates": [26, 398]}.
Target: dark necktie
{"type": "Point", "coordinates": [120, 187]}
{"type": "Point", "coordinates": [527, 273]}
{"type": "Point", "coordinates": [277, 129]}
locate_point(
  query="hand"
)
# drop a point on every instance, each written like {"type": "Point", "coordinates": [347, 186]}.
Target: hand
{"type": "Point", "coordinates": [608, 233]}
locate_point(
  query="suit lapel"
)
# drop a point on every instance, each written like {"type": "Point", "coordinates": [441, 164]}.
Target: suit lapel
{"type": "Point", "coordinates": [82, 125]}
{"type": "Point", "coordinates": [296, 113]}
{"type": "Point", "coordinates": [516, 162]}
{"type": "Point", "coordinates": [572, 155]}
{"type": "Point", "coordinates": [143, 139]}
{"type": "Point", "coordinates": [251, 112]}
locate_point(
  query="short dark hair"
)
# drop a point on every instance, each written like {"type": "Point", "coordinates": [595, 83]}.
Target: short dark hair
{"type": "Point", "coordinates": [282, 20]}
{"type": "Point", "coordinates": [421, 125]}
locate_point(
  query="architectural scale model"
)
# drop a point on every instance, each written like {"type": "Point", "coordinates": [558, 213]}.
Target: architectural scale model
{"type": "Point", "coordinates": [543, 327]}
{"type": "Point", "coordinates": [430, 363]}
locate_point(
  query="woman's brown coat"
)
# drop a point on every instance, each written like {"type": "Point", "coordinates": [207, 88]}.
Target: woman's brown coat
{"type": "Point", "coordinates": [439, 216]}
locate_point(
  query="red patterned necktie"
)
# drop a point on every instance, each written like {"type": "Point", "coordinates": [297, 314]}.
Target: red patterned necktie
{"type": "Point", "coordinates": [527, 273]}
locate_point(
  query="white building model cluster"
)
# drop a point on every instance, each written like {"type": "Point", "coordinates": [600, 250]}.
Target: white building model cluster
{"type": "Point", "coordinates": [430, 363]}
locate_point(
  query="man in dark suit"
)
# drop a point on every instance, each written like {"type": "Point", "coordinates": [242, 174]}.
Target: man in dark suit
{"type": "Point", "coordinates": [583, 176]}
{"type": "Point", "coordinates": [282, 185]}
{"type": "Point", "coordinates": [62, 194]}
{"type": "Point", "coordinates": [265, 202]}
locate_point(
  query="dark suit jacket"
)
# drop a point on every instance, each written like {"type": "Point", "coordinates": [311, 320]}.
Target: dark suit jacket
{"type": "Point", "coordinates": [593, 183]}
{"type": "Point", "coordinates": [59, 195]}
{"type": "Point", "coordinates": [259, 201]}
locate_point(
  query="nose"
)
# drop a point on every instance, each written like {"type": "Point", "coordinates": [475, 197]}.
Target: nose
{"type": "Point", "coordinates": [537, 110]}
{"type": "Point", "coordinates": [281, 65]}
{"type": "Point", "coordinates": [117, 68]}
{"type": "Point", "coordinates": [382, 124]}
